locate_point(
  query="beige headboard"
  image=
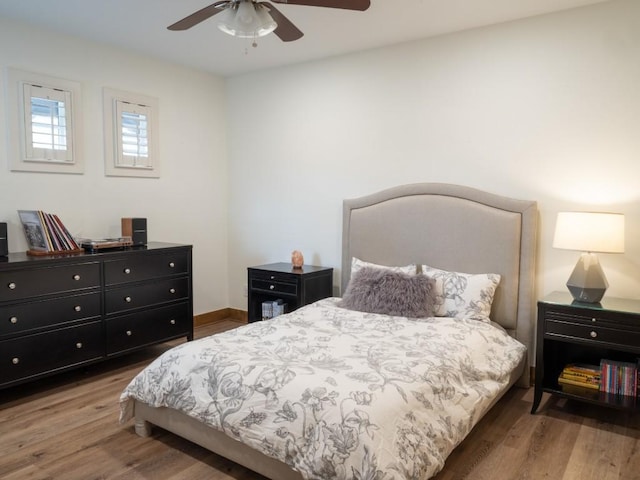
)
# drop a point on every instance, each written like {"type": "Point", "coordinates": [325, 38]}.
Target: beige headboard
{"type": "Point", "coordinates": [455, 228]}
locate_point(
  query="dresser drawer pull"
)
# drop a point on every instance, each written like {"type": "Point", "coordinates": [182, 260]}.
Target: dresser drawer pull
{"type": "Point", "coordinates": [77, 308]}
{"type": "Point", "coordinates": [13, 320]}
{"type": "Point", "coordinates": [172, 321]}
{"type": "Point", "coordinates": [593, 334]}
{"type": "Point", "coordinates": [15, 360]}
{"type": "Point", "coordinates": [271, 287]}
{"type": "Point", "coordinates": [127, 271]}
{"type": "Point", "coordinates": [593, 320]}
{"type": "Point", "coordinates": [172, 290]}
{"type": "Point", "coordinates": [12, 286]}
{"type": "Point", "coordinates": [76, 277]}
{"type": "Point", "coordinates": [127, 299]}
{"type": "Point", "coordinates": [129, 333]}
{"type": "Point", "coordinates": [79, 345]}
{"type": "Point", "coordinates": [172, 265]}
{"type": "Point", "coordinates": [272, 277]}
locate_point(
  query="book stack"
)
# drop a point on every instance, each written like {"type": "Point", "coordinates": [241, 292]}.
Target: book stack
{"type": "Point", "coordinates": [619, 378]}
{"type": "Point", "coordinates": [581, 375]}
{"type": "Point", "coordinates": [46, 233]}
{"type": "Point", "coordinates": [273, 308]}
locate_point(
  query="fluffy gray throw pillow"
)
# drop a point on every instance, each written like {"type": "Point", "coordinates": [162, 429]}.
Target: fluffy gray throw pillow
{"type": "Point", "coordinates": [375, 290]}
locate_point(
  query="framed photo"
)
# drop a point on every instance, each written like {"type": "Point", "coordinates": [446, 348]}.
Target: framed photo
{"type": "Point", "coordinates": [34, 230]}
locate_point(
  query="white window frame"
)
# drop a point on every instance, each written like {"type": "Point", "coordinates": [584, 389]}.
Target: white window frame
{"type": "Point", "coordinates": [117, 162]}
{"type": "Point", "coordinates": [21, 86]}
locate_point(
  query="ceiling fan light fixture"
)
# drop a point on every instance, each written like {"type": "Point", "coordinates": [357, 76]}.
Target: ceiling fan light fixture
{"type": "Point", "coordinates": [247, 20]}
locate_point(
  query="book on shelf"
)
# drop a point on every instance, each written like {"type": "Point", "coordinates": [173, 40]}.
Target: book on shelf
{"type": "Point", "coordinates": [45, 232]}
{"type": "Point", "coordinates": [583, 375]}
{"type": "Point", "coordinates": [273, 308]}
{"type": "Point", "coordinates": [618, 377]}
{"type": "Point", "coordinates": [578, 383]}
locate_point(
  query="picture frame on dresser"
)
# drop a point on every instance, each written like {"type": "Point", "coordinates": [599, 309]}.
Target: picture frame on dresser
{"type": "Point", "coordinates": [34, 230]}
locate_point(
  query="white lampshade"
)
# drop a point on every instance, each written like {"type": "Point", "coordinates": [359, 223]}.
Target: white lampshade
{"type": "Point", "coordinates": [247, 20]}
{"type": "Point", "coordinates": [590, 232]}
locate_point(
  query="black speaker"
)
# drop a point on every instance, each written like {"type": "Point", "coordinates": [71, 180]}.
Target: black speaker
{"type": "Point", "coordinates": [4, 243]}
{"type": "Point", "coordinates": [136, 228]}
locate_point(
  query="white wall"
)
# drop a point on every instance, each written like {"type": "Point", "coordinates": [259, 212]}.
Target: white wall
{"type": "Point", "coordinates": [546, 109]}
{"type": "Point", "coordinates": [188, 204]}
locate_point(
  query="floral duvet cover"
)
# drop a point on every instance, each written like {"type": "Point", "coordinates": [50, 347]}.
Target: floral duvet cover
{"type": "Point", "coordinates": [335, 393]}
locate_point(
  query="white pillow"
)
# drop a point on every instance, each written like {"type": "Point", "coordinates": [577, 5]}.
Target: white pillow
{"type": "Point", "coordinates": [463, 295]}
{"type": "Point", "coordinates": [357, 264]}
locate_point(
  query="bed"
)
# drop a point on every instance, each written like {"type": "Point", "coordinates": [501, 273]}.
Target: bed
{"type": "Point", "coordinates": [331, 391]}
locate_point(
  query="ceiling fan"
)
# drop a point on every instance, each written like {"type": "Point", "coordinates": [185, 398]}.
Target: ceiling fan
{"type": "Point", "coordinates": [251, 18]}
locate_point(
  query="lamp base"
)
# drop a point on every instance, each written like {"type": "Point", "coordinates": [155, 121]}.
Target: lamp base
{"type": "Point", "coordinates": [587, 282]}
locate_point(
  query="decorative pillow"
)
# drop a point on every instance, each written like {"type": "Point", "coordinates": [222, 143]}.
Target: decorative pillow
{"type": "Point", "coordinates": [377, 290]}
{"type": "Point", "coordinates": [357, 264]}
{"type": "Point", "coordinates": [462, 295]}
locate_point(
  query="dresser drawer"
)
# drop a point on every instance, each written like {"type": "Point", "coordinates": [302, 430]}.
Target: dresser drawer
{"type": "Point", "coordinates": [23, 317]}
{"type": "Point", "coordinates": [26, 283]}
{"type": "Point", "coordinates": [145, 267]}
{"type": "Point", "coordinates": [129, 297]}
{"type": "Point", "coordinates": [274, 287]}
{"type": "Point", "coordinates": [32, 355]}
{"type": "Point", "coordinates": [147, 327]}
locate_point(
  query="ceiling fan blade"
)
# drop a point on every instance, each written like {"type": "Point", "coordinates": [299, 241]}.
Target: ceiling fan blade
{"type": "Point", "coordinates": [199, 16]}
{"type": "Point", "coordinates": [345, 4]}
{"type": "Point", "coordinates": [286, 30]}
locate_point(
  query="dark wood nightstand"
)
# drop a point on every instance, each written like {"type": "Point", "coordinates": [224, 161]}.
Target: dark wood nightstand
{"type": "Point", "coordinates": [294, 286]}
{"type": "Point", "coordinates": [575, 332]}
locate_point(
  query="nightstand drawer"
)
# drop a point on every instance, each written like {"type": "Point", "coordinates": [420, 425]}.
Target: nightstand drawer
{"type": "Point", "coordinates": [275, 287]}
{"type": "Point", "coordinates": [594, 334]}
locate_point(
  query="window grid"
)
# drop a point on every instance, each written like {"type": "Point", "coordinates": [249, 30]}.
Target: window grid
{"type": "Point", "coordinates": [47, 126]}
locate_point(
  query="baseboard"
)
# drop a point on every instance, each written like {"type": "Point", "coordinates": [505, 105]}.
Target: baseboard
{"type": "Point", "coordinates": [220, 315]}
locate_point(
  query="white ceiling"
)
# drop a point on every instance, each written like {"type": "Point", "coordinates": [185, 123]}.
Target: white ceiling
{"type": "Point", "coordinates": [140, 25]}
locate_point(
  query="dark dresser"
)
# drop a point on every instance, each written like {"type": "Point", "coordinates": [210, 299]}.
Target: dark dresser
{"type": "Point", "coordinates": [60, 312]}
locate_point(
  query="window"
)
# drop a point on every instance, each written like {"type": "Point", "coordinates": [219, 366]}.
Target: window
{"type": "Point", "coordinates": [130, 134]}
{"type": "Point", "coordinates": [44, 123]}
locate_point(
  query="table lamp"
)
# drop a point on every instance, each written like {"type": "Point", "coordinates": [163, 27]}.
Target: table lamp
{"type": "Point", "coordinates": [589, 232]}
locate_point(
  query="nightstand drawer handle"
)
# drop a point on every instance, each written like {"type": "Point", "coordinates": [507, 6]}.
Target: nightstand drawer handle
{"type": "Point", "coordinates": [15, 360]}
{"type": "Point", "coordinates": [593, 334]}
{"type": "Point", "coordinates": [76, 277]}
{"type": "Point", "coordinates": [593, 320]}
{"type": "Point", "coordinates": [172, 321]}
{"type": "Point", "coordinates": [13, 320]}
{"type": "Point", "coordinates": [172, 265]}
{"type": "Point", "coordinates": [77, 308]}
{"type": "Point", "coordinates": [272, 277]}
{"type": "Point", "coordinates": [129, 333]}
{"type": "Point", "coordinates": [12, 286]}
{"type": "Point", "coordinates": [172, 290]}
{"type": "Point", "coordinates": [79, 345]}
{"type": "Point", "coordinates": [271, 287]}
{"type": "Point", "coordinates": [127, 299]}
{"type": "Point", "coordinates": [127, 271]}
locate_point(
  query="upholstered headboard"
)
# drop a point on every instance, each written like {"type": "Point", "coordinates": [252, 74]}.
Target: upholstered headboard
{"type": "Point", "coordinates": [455, 228]}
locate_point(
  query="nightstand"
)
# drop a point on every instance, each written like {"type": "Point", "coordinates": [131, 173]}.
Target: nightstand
{"type": "Point", "coordinates": [294, 286]}
{"type": "Point", "coordinates": [575, 332]}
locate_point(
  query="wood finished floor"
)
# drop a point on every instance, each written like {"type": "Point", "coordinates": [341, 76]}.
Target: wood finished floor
{"type": "Point", "coordinates": [66, 427]}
